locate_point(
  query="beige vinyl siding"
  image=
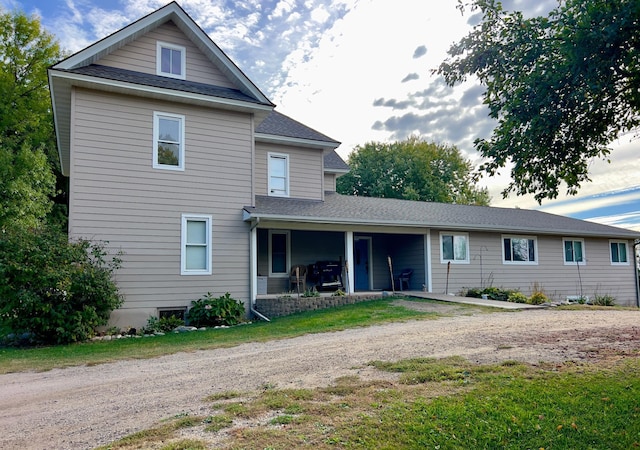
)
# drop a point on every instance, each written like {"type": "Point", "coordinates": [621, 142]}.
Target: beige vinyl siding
{"type": "Point", "coordinates": [118, 197]}
{"type": "Point", "coordinates": [329, 182]}
{"type": "Point", "coordinates": [557, 279]}
{"type": "Point", "coordinates": [305, 170]}
{"type": "Point", "coordinates": [140, 56]}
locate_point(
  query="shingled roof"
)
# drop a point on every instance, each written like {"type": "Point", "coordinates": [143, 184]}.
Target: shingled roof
{"type": "Point", "coordinates": [337, 208]}
{"type": "Point", "coordinates": [145, 79]}
{"type": "Point", "coordinates": [277, 124]}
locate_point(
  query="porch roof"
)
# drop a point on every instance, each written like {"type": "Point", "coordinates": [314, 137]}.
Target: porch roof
{"type": "Point", "coordinates": [351, 210]}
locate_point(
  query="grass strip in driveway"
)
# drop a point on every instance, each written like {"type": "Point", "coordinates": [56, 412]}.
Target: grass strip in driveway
{"type": "Point", "coordinates": [449, 403]}
{"type": "Point", "coordinates": [100, 352]}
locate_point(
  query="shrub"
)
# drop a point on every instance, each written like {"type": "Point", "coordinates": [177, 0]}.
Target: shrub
{"type": "Point", "coordinates": [538, 298]}
{"type": "Point", "coordinates": [493, 293]}
{"type": "Point", "coordinates": [517, 297]}
{"type": "Point", "coordinates": [210, 311]}
{"type": "Point", "coordinates": [163, 324]}
{"type": "Point", "coordinates": [603, 300]}
{"type": "Point", "coordinates": [56, 291]}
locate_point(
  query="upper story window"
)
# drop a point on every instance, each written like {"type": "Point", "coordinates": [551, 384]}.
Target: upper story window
{"type": "Point", "coordinates": [573, 251]}
{"type": "Point", "coordinates": [168, 141]}
{"type": "Point", "coordinates": [170, 60]}
{"type": "Point", "coordinates": [195, 254]}
{"type": "Point", "coordinates": [278, 174]}
{"type": "Point", "coordinates": [519, 250]}
{"type": "Point", "coordinates": [455, 248]}
{"type": "Point", "coordinates": [619, 252]}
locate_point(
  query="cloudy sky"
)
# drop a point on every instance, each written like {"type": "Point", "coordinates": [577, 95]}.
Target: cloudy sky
{"type": "Point", "coordinates": [359, 71]}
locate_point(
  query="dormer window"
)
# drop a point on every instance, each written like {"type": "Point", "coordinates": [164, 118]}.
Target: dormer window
{"type": "Point", "coordinates": [170, 60]}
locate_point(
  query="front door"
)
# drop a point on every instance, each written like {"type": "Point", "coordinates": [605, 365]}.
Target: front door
{"type": "Point", "coordinates": [362, 267]}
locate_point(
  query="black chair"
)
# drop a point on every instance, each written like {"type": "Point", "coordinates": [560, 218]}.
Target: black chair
{"type": "Point", "coordinates": [404, 278]}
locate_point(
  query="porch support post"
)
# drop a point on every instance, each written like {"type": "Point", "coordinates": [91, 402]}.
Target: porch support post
{"type": "Point", "coordinates": [348, 251]}
{"type": "Point", "coordinates": [253, 263]}
{"type": "Point", "coordinates": [427, 261]}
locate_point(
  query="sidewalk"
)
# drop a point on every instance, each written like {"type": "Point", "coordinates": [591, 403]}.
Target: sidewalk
{"type": "Point", "coordinates": [469, 300]}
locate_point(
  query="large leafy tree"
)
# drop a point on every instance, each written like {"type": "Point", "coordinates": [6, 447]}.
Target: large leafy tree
{"type": "Point", "coordinates": [28, 156]}
{"type": "Point", "coordinates": [412, 169]}
{"type": "Point", "coordinates": [562, 87]}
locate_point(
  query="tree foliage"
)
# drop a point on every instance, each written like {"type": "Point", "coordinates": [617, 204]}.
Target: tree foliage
{"type": "Point", "coordinates": [562, 87]}
{"type": "Point", "coordinates": [412, 170]}
{"type": "Point", "coordinates": [26, 124]}
{"type": "Point", "coordinates": [56, 291]}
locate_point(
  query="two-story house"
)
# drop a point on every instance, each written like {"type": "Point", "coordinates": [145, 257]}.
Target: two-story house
{"type": "Point", "coordinates": [177, 159]}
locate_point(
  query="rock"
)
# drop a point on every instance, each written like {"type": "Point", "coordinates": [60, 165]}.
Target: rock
{"type": "Point", "coordinates": [184, 329]}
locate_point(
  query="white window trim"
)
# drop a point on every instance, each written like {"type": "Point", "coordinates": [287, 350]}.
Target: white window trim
{"type": "Point", "coordinates": [288, 268]}
{"type": "Point", "coordinates": [520, 263]}
{"type": "Point", "coordinates": [626, 249]}
{"type": "Point", "coordinates": [287, 176]}
{"type": "Point", "coordinates": [156, 137]}
{"type": "Point", "coordinates": [584, 252]}
{"type": "Point", "coordinates": [183, 244]}
{"type": "Point", "coordinates": [454, 261]}
{"type": "Point", "coordinates": [183, 60]}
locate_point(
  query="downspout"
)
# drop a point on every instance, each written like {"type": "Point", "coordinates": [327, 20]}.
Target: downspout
{"type": "Point", "coordinates": [252, 272]}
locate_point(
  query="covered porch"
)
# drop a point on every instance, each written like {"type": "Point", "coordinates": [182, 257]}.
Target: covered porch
{"type": "Point", "coordinates": [330, 257]}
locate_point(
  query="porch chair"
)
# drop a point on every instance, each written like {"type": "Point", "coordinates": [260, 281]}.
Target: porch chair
{"type": "Point", "coordinates": [300, 279]}
{"type": "Point", "coordinates": [404, 278]}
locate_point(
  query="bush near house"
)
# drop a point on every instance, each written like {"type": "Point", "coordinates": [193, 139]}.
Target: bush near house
{"type": "Point", "coordinates": [54, 291]}
{"type": "Point", "coordinates": [209, 311]}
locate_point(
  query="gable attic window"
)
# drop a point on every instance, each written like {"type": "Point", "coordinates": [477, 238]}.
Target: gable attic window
{"type": "Point", "coordinates": [170, 60]}
{"type": "Point", "coordinates": [278, 174]}
{"type": "Point", "coordinates": [168, 141]}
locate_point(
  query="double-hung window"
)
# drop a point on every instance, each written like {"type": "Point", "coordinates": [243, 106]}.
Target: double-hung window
{"type": "Point", "coordinates": [170, 60]}
{"type": "Point", "coordinates": [519, 250]}
{"type": "Point", "coordinates": [619, 252]}
{"type": "Point", "coordinates": [573, 251]}
{"type": "Point", "coordinates": [454, 248]}
{"type": "Point", "coordinates": [279, 255]}
{"type": "Point", "coordinates": [278, 174]}
{"type": "Point", "coordinates": [168, 141]}
{"type": "Point", "coordinates": [195, 255]}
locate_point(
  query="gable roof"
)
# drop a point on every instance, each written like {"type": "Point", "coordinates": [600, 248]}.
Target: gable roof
{"type": "Point", "coordinates": [344, 209]}
{"type": "Point", "coordinates": [79, 70]}
{"type": "Point", "coordinates": [278, 128]}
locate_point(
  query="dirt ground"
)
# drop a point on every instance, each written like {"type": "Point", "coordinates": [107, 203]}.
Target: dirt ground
{"type": "Point", "coordinates": [83, 407]}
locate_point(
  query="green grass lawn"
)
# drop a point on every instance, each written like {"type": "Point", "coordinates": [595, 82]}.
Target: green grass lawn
{"type": "Point", "coordinates": [360, 314]}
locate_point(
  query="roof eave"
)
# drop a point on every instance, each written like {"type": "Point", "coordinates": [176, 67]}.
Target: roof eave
{"type": "Point", "coordinates": [301, 142]}
{"type": "Point", "coordinates": [248, 216]}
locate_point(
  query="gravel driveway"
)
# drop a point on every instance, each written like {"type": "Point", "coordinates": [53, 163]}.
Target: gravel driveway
{"type": "Point", "coordinates": [82, 407]}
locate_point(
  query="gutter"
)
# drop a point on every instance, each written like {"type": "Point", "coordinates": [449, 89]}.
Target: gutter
{"type": "Point", "coordinates": [251, 278]}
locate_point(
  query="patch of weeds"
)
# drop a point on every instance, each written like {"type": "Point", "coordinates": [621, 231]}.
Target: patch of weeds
{"type": "Point", "coordinates": [422, 370]}
{"type": "Point", "coordinates": [284, 419]}
{"type": "Point", "coordinates": [213, 424]}
{"type": "Point", "coordinates": [238, 410]}
{"type": "Point", "coordinates": [228, 395]}
{"type": "Point", "coordinates": [280, 399]}
{"type": "Point", "coordinates": [186, 444]}
{"type": "Point", "coordinates": [343, 386]}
